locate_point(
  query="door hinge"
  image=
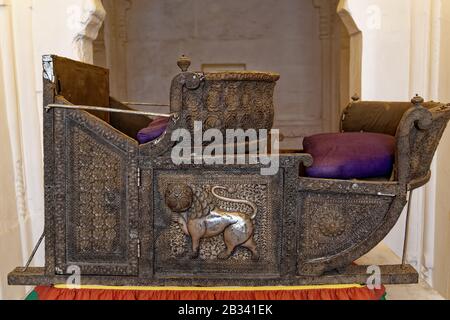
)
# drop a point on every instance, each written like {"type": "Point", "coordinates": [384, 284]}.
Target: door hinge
{"type": "Point", "coordinates": [139, 177]}
{"type": "Point", "coordinates": [139, 248]}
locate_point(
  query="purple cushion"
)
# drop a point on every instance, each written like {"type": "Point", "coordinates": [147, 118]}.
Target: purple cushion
{"type": "Point", "coordinates": [351, 155]}
{"type": "Point", "coordinates": [154, 130]}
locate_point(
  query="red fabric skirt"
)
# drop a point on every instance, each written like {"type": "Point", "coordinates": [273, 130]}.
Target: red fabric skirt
{"type": "Point", "coordinates": [353, 293]}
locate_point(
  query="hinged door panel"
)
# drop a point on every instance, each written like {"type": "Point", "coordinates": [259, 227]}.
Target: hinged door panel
{"type": "Point", "coordinates": [96, 195]}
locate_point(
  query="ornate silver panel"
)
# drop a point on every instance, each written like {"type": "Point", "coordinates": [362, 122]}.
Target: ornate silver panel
{"type": "Point", "coordinates": [231, 104]}
{"type": "Point", "coordinates": [238, 191]}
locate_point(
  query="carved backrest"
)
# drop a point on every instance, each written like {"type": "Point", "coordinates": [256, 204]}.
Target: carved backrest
{"type": "Point", "coordinates": [417, 126]}
{"type": "Point", "coordinates": [224, 100]}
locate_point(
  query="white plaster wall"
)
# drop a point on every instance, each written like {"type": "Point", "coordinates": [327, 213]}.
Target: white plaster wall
{"type": "Point", "coordinates": [386, 26]}
{"type": "Point", "coordinates": [441, 274]}
{"type": "Point", "coordinates": [386, 29]}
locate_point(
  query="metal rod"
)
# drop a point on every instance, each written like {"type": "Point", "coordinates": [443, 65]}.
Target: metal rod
{"type": "Point", "coordinates": [405, 241]}
{"type": "Point", "coordinates": [38, 244]}
{"type": "Point", "coordinates": [150, 104]}
{"type": "Point", "coordinates": [382, 194]}
{"type": "Point", "coordinates": [91, 108]}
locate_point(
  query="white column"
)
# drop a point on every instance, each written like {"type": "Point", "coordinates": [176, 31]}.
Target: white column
{"type": "Point", "coordinates": [116, 44]}
{"type": "Point", "coordinates": [430, 190]}
{"type": "Point", "coordinates": [441, 88]}
{"type": "Point", "coordinates": [418, 84]}
{"type": "Point", "coordinates": [425, 53]}
{"type": "Point", "coordinates": [356, 47]}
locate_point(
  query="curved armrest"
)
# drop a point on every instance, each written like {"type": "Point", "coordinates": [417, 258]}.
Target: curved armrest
{"type": "Point", "coordinates": [415, 121]}
{"type": "Point", "coordinates": [418, 137]}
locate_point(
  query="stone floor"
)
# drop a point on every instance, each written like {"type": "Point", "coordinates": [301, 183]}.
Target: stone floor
{"type": "Point", "coordinates": [382, 255]}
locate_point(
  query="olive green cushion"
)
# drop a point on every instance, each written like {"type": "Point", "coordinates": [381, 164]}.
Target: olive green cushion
{"type": "Point", "coordinates": [377, 116]}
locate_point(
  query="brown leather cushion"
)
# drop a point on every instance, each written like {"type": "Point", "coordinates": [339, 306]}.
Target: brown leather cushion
{"type": "Point", "coordinates": [377, 116]}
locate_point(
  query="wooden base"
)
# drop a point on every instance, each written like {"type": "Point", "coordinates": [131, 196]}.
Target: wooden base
{"type": "Point", "coordinates": [390, 274]}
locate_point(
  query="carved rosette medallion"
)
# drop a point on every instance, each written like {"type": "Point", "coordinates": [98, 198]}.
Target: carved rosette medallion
{"type": "Point", "coordinates": [179, 197]}
{"type": "Point", "coordinates": [332, 224]}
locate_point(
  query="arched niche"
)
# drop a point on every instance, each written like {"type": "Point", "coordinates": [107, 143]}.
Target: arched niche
{"type": "Point", "coordinates": [313, 44]}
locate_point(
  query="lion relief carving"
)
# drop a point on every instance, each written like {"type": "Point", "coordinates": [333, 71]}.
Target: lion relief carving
{"type": "Point", "coordinates": [199, 218]}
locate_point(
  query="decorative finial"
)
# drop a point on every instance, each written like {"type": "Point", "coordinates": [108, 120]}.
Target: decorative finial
{"type": "Point", "coordinates": [355, 97]}
{"type": "Point", "coordinates": [417, 100]}
{"type": "Point", "coordinates": [184, 63]}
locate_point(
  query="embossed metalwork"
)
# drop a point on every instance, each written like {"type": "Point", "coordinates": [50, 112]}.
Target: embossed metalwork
{"type": "Point", "coordinates": [206, 220]}
{"type": "Point", "coordinates": [224, 100]}
{"type": "Point", "coordinates": [98, 197]}
{"type": "Point", "coordinates": [96, 173]}
{"type": "Point", "coordinates": [127, 215]}
{"type": "Point", "coordinates": [225, 228]}
{"type": "Point", "coordinates": [332, 224]}
{"type": "Point", "coordinates": [231, 104]}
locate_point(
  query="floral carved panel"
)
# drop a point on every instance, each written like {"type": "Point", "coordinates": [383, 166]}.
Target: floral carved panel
{"type": "Point", "coordinates": [96, 216]}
